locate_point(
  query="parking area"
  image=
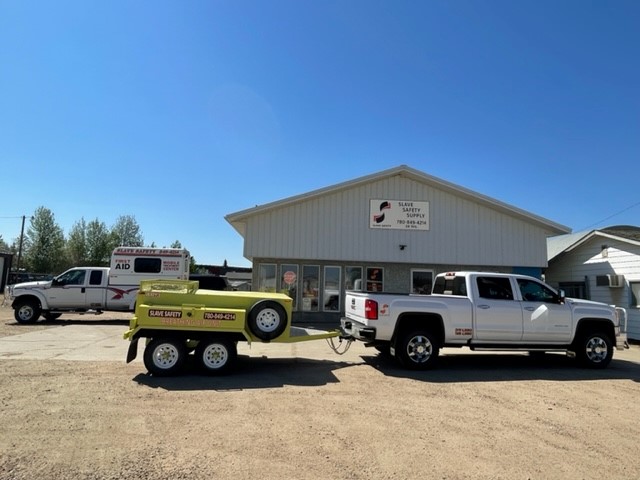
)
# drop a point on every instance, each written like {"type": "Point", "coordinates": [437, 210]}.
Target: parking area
{"type": "Point", "coordinates": [72, 408]}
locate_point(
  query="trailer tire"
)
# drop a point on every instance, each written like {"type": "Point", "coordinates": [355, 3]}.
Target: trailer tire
{"type": "Point", "coordinates": [594, 349]}
{"type": "Point", "coordinates": [27, 311]}
{"type": "Point", "coordinates": [417, 350]}
{"type": "Point", "coordinates": [267, 320]}
{"type": "Point", "coordinates": [217, 356]}
{"type": "Point", "coordinates": [164, 357]}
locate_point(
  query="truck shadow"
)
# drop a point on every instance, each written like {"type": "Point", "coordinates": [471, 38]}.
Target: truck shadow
{"type": "Point", "coordinates": [251, 373]}
{"type": "Point", "coordinates": [479, 367]}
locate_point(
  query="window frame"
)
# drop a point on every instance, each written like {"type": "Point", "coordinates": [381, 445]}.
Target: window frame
{"type": "Point", "coordinates": [303, 292]}
{"type": "Point", "coordinates": [421, 270]}
{"type": "Point", "coordinates": [324, 289]}
{"type": "Point", "coordinates": [370, 283]}
{"type": "Point", "coordinates": [261, 282]}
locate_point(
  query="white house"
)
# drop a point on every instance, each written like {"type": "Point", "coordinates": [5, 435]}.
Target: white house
{"type": "Point", "coordinates": [391, 231]}
{"type": "Point", "coordinates": [601, 265]}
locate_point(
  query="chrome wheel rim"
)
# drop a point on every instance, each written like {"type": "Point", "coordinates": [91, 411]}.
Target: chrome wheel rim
{"type": "Point", "coordinates": [25, 313]}
{"type": "Point", "coordinates": [419, 349]}
{"type": "Point", "coordinates": [597, 350]}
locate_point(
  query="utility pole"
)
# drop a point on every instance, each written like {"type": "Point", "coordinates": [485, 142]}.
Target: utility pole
{"type": "Point", "coordinates": [21, 240]}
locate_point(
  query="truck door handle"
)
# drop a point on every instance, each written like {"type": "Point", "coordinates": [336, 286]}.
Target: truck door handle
{"type": "Point", "coordinates": [484, 307]}
{"type": "Point", "coordinates": [83, 290]}
{"type": "Point", "coordinates": [530, 309]}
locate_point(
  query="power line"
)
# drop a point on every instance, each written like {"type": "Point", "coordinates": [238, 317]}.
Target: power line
{"type": "Point", "coordinates": [611, 216]}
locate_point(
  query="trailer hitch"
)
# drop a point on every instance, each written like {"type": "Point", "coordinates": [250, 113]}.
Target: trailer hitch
{"type": "Point", "coordinates": [339, 348]}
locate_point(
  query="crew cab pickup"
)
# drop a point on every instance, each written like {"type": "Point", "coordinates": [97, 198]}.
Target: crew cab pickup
{"type": "Point", "coordinates": [97, 289]}
{"type": "Point", "coordinates": [484, 311]}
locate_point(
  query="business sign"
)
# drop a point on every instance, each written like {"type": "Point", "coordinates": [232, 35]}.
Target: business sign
{"type": "Point", "coordinates": [399, 214]}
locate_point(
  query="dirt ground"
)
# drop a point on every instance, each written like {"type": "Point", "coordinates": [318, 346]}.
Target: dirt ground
{"type": "Point", "coordinates": [309, 416]}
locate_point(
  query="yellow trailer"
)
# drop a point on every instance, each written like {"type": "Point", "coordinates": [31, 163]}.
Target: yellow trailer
{"type": "Point", "coordinates": [177, 317]}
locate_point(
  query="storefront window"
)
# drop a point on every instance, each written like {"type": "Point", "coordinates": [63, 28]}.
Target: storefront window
{"type": "Point", "coordinates": [353, 278]}
{"type": "Point", "coordinates": [267, 277]}
{"type": "Point", "coordinates": [375, 279]}
{"type": "Point", "coordinates": [421, 281]}
{"type": "Point", "coordinates": [289, 282]}
{"type": "Point", "coordinates": [331, 290]}
{"type": "Point", "coordinates": [310, 277]}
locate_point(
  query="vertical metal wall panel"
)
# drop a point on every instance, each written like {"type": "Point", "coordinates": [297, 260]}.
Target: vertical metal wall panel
{"type": "Point", "coordinates": [336, 226]}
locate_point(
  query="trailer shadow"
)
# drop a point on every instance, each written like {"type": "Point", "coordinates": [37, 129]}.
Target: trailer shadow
{"type": "Point", "coordinates": [479, 367]}
{"type": "Point", "coordinates": [251, 373]}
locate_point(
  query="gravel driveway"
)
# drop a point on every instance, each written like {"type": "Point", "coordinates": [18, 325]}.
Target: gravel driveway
{"type": "Point", "coordinates": [306, 413]}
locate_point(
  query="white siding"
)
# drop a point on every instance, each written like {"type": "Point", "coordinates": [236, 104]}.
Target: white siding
{"type": "Point", "coordinates": [587, 261]}
{"type": "Point", "coordinates": [336, 227]}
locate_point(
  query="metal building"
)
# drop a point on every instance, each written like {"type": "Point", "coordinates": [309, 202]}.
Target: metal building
{"type": "Point", "coordinates": [390, 231]}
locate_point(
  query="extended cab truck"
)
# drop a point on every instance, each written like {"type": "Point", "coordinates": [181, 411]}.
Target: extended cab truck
{"type": "Point", "coordinates": [488, 311]}
{"type": "Point", "coordinates": [98, 289]}
{"type": "Point", "coordinates": [177, 317]}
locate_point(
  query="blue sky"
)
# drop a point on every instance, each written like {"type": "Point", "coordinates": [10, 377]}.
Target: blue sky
{"type": "Point", "coordinates": [179, 113]}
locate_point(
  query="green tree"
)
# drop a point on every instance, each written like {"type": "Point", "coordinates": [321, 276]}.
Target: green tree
{"type": "Point", "coordinates": [126, 232]}
{"type": "Point", "coordinates": [176, 244]}
{"type": "Point", "coordinates": [99, 243]}
{"type": "Point", "coordinates": [77, 243]}
{"type": "Point", "coordinates": [4, 246]}
{"type": "Point", "coordinates": [44, 243]}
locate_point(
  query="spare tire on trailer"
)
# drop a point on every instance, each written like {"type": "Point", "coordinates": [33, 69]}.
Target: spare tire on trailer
{"type": "Point", "coordinates": [267, 320]}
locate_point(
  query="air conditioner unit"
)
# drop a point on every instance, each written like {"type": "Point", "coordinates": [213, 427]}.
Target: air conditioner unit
{"type": "Point", "coordinates": [616, 281]}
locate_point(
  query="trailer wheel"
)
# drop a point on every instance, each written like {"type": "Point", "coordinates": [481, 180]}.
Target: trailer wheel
{"type": "Point", "coordinates": [417, 350]}
{"type": "Point", "coordinates": [217, 356]}
{"type": "Point", "coordinates": [267, 320]}
{"type": "Point", "coordinates": [594, 350]}
{"type": "Point", "coordinates": [164, 356]}
{"type": "Point", "coordinates": [27, 311]}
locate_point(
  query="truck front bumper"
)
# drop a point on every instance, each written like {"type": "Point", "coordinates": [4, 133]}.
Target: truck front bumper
{"type": "Point", "coordinates": [357, 330]}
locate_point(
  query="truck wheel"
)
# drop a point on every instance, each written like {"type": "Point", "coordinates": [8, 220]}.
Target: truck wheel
{"type": "Point", "coordinates": [217, 356]}
{"type": "Point", "coordinates": [164, 356]}
{"type": "Point", "coordinates": [50, 317]}
{"type": "Point", "coordinates": [267, 320]}
{"type": "Point", "coordinates": [417, 350]}
{"type": "Point", "coordinates": [27, 311]}
{"type": "Point", "coordinates": [594, 350]}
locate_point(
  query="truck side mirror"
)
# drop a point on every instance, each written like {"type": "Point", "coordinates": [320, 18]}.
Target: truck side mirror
{"type": "Point", "coordinates": [561, 297]}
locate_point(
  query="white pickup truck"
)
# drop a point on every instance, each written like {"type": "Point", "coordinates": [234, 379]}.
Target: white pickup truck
{"type": "Point", "coordinates": [96, 289]}
{"type": "Point", "coordinates": [484, 311]}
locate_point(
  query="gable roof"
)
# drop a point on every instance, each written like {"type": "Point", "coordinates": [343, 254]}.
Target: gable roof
{"type": "Point", "coordinates": [565, 243]}
{"type": "Point", "coordinates": [237, 219]}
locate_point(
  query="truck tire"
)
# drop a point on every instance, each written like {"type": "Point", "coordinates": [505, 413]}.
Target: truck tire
{"type": "Point", "coordinates": [594, 349]}
{"type": "Point", "coordinates": [267, 320]}
{"type": "Point", "coordinates": [217, 356]}
{"type": "Point", "coordinates": [27, 311]}
{"type": "Point", "coordinates": [417, 350]}
{"type": "Point", "coordinates": [164, 357]}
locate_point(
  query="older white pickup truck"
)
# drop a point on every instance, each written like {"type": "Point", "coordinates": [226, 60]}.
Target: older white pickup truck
{"type": "Point", "coordinates": [484, 311]}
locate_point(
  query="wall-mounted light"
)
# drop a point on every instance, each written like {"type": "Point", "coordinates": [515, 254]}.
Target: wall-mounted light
{"type": "Point", "coordinates": [605, 251]}
{"type": "Point", "coordinates": [402, 247]}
